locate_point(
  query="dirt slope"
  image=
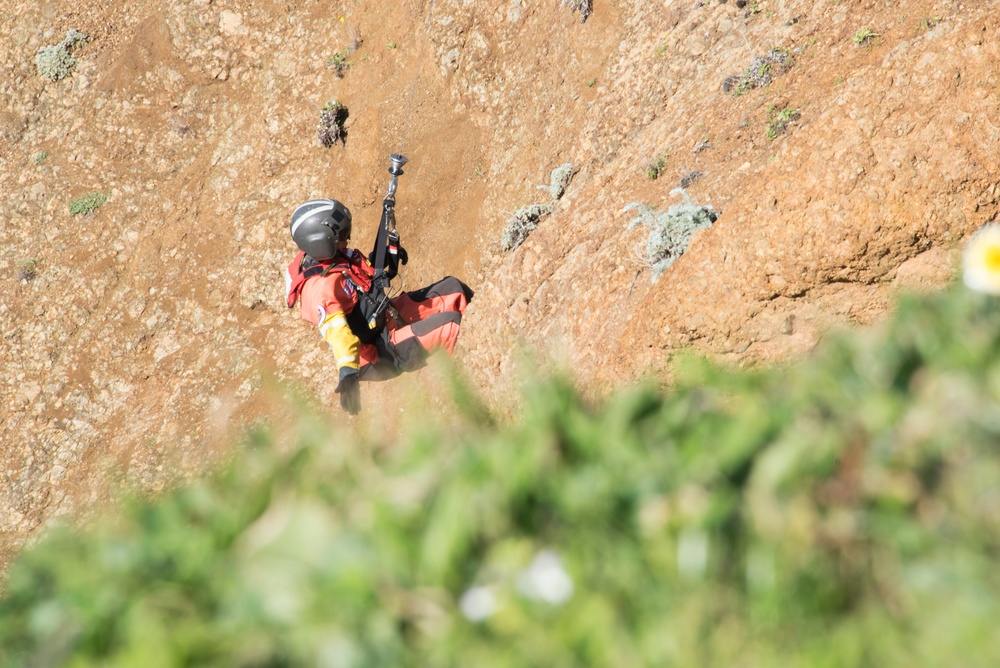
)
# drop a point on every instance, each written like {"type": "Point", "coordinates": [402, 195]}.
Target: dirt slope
{"type": "Point", "coordinates": [135, 338]}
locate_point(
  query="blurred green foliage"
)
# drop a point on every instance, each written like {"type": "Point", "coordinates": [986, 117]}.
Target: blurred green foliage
{"type": "Point", "coordinates": [842, 511]}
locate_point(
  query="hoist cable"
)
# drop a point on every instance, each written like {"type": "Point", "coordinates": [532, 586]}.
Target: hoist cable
{"type": "Point", "coordinates": [387, 226]}
{"type": "Point", "coordinates": [413, 90]}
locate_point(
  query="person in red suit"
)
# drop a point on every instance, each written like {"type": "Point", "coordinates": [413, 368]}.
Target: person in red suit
{"type": "Point", "coordinates": [327, 279]}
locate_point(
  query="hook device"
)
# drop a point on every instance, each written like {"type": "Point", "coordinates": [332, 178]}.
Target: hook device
{"type": "Point", "coordinates": [387, 239]}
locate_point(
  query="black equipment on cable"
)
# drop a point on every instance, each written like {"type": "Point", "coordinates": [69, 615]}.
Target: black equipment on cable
{"type": "Point", "coordinates": [387, 235]}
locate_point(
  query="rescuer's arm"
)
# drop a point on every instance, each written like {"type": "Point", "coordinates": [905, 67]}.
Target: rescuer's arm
{"type": "Point", "coordinates": [345, 346]}
{"type": "Point", "coordinates": [349, 390]}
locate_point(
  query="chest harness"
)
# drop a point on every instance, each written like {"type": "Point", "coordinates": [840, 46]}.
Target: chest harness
{"type": "Point", "coordinates": [367, 319]}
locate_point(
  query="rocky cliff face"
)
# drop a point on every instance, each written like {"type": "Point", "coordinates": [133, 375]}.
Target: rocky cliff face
{"type": "Point", "coordinates": [136, 336]}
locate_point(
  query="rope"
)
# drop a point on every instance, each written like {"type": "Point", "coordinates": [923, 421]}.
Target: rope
{"type": "Point", "coordinates": [413, 91]}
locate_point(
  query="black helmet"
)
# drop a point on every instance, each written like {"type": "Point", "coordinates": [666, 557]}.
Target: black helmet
{"type": "Point", "coordinates": [317, 226]}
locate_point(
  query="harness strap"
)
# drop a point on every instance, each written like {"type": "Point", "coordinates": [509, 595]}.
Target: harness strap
{"type": "Point", "coordinates": [301, 269]}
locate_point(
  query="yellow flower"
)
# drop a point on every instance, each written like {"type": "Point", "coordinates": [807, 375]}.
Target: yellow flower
{"type": "Point", "coordinates": [981, 261]}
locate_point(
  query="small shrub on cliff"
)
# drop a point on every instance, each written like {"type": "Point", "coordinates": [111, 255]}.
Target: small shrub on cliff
{"type": "Point", "coordinates": [559, 180]}
{"type": "Point", "coordinates": [87, 204]}
{"type": "Point", "coordinates": [669, 231]}
{"type": "Point", "coordinates": [331, 124]}
{"type": "Point", "coordinates": [57, 62]}
{"type": "Point", "coordinates": [865, 37]}
{"type": "Point", "coordinates": [339, 63]}
{"type": "Point", "coordinates": [28, 270]}
{"type": "Point", "coordinates": [928, 22]}
{"type": "Point", "coordinates": [689, 177]}
{"type": "Point", "coordinates": [354, 39]}
{"type": "Point", "coordinates": [655, 166]}
{"type": "Point", "coordinates": [522, 223]}
{"type": "Point", "coordinates": [525, 220]}
{"type": "Point", "coordinates": [779, 120]}
{"type": "Point", "coordinates": [585, 7]}
{"type": "Point", "coordinates": [760, 73]}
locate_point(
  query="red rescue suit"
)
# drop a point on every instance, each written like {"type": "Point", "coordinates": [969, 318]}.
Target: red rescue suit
{"type": "Point", "coordinates": [424, 320]}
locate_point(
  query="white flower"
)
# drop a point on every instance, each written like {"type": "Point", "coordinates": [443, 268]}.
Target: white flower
{"type": "Point", "coordinates": [546, 579]}
{"type": "Point", "coordinates": [477, 603]}
{"type": "Point", "coordinates": [981, 261]}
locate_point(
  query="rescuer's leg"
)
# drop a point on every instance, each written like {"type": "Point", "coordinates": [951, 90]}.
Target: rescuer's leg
{"type": "Point", "coordinates": [447, 295]}
{"type": "Point", "coordinates": [413, 343]}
